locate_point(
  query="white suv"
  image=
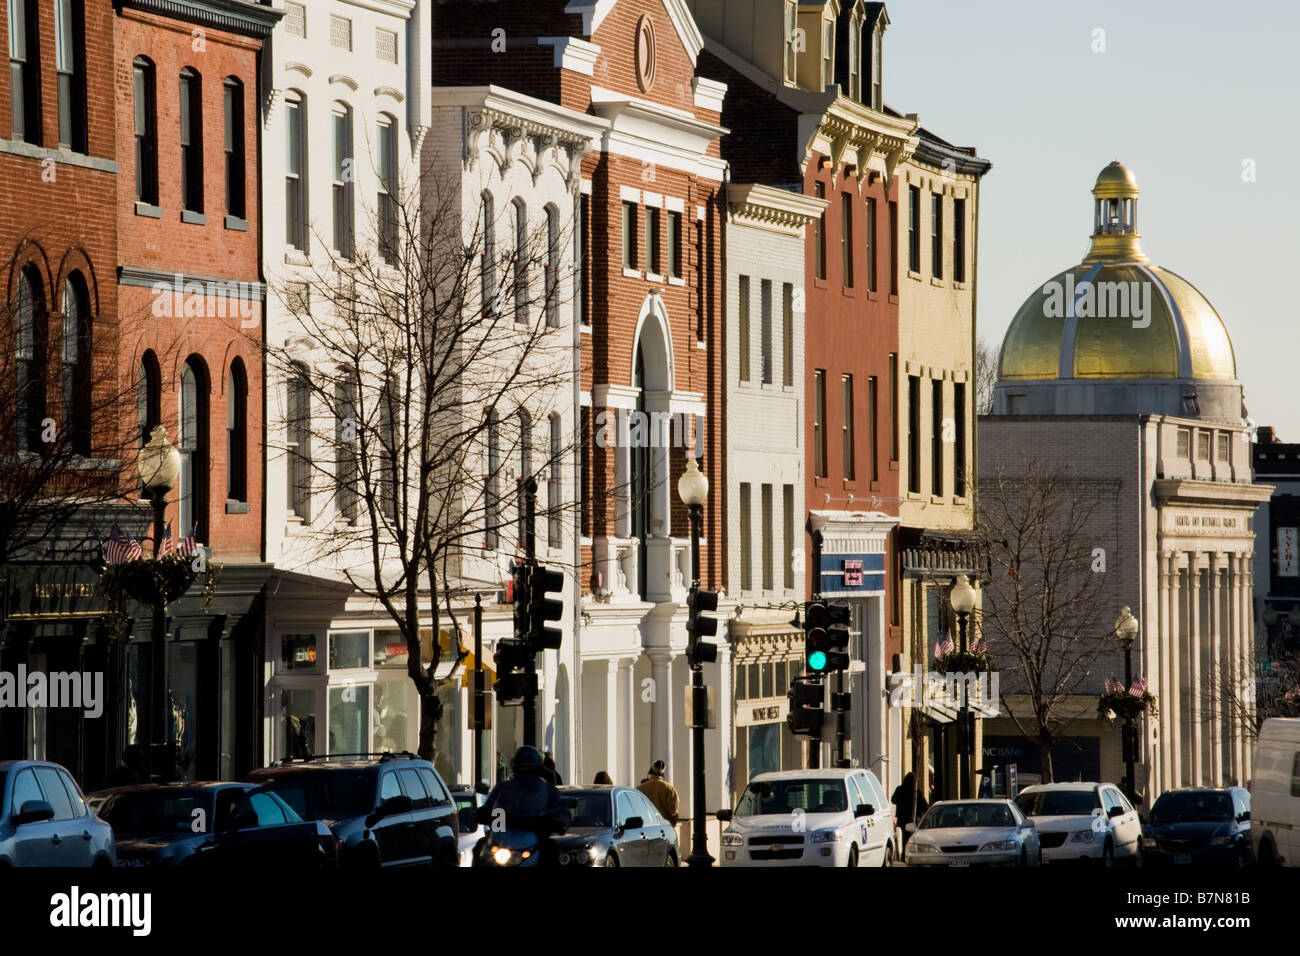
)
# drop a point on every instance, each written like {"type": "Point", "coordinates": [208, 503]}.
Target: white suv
{"type": "Point", "coordinates": [1083, 821]}
{"type": "Point", "coordinates": [810, 818]}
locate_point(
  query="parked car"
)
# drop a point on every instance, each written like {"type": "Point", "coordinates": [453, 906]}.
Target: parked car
{"type": "Point", "coordinates": [220, 824]}
{"type": "Point", "coordinates": [386, 810]}
{"type": "Point", "coordinates": [1275, 793]}
{"type": "Point", "coordinates": [615, 826]}
{"type": "Point", "coordinates": [810, 818]}
{"type": "Point", "coordinates": [468, 799]}
{"type": "Point", "coordinates": [1083, 821]}
{"type": "Point", "coordinates": [1199, 826]}
{"type": "Point", "coordinates": [44, 819]}
{"type": "Point", "coordinates": [974, 833]}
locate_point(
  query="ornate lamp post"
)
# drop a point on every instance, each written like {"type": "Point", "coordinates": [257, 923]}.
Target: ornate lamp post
{"type": "Point", "coordinates": [963, 602]}
{"type": "Point", "coordinates": [1126, 629]}
{"type": "Point", "coordinates": [693, 487]}
{"type": "Point", "coordinates": [159, 464]}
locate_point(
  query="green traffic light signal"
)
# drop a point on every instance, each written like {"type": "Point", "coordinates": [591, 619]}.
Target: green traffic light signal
{"type": "Point", "coordinates": [817, 661]}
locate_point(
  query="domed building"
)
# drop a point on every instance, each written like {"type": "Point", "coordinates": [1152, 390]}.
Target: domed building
{"type": "Point", "coordinates": [1118, 379]}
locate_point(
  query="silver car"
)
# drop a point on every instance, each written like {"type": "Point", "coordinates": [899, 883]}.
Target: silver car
{"type": "Point", "coordinates": [973, 833]}
{"type": "Point", "coordinates": [44, 820]}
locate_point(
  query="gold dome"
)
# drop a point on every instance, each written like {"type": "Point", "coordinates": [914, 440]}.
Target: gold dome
{"type": "Point", "coordinates": [1116, 180]}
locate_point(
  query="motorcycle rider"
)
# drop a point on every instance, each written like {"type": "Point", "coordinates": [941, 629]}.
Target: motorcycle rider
{"type": "Point", "coordinates": [528, 801]}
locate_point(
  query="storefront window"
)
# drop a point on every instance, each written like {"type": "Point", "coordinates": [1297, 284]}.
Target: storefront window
{"type": "Point", "coordinates": [390, 648]}
{"type": "Point", "coordinates": [447, 753]}
{"type": "Point", "coordinates": [298, 652]}
{"type": "Point", "coordinates": [394, 726]}
{"type": "Point", "coordinates": [764, 748]}
{"type": "Point", "coordinates": [183, 681]}
{"type": "Point", "coordinates": [349, 719]}
{"type": "Point", "coordinates": [349, 650]}
{"type": "Point", "coordinates": [298, 723]}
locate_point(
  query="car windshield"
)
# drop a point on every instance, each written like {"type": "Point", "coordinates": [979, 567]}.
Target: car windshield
{"type": "Point", "coordinates": [763, 797]}
{"type": "Point", "coordinates": [948, 815]}
{"type": "Point", "coordinates": [591, 808]}
{"type": "Point", "coordinates": [325, 794]}
{"type": "Point", "coordinates": [1192, 808]}
{"type": "Point", "coordinates": [1057, 803]}
{"type": "Point", "coordinates": [141, 812]}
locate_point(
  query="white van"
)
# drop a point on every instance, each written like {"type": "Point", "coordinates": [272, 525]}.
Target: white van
{"type": "Point", "coordinates": [1275, 793]}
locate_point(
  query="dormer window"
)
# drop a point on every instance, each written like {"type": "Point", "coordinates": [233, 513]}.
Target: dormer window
{"type": "Point", "coordinates": [855, 63]}
{"type": "Point", "coordinates": [789, 42]}
{"type": "Point", "coordinates": [828, 53]}
{"type": "Point", "coordinates": [877, 46]}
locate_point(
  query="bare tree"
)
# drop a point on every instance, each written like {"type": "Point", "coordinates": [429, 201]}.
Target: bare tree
{"type": "Point", "coordinates": [1042, 603]}
{"type": "Point", "coordinates": [986, 376]}
{"type": "Point", "coordinates": [419, 398]}
{"type": "Point", "coordinates": [1253, 700]}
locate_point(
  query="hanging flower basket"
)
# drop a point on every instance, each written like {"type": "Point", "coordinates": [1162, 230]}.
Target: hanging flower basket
{"type": "Point", "coordinates": [962, 662]}
{"type": "Point", "coordinates": [1126, 706]}
{"type": "Point", "coordinates": [150, 581]}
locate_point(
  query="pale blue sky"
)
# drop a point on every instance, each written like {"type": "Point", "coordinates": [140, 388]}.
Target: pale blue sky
{"type": "Point", "coordinates": [1183, 94]}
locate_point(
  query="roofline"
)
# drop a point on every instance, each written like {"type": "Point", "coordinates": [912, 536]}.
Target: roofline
{"type": "Point", "coordinates": [237, 16]}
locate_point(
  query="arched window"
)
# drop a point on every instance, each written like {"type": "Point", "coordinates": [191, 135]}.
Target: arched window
{"type": "Point", "coordinates": [487, 264]}
{"type": "Point", "coordinates": [233, 94]}
{"type": "Point", "coordinates": [554, 484]}
{"type": "Point", "coordinates": [551, 268]}
{"type": "Point", "coordinates": [191, 106]}
{"type": "Point", "coordinates": [295, 169]}
{"type": "Point", "coordinates": [76, 365]}
{"type": "Point", "coordinates": [298, 441]}
{"type": "Point", "coordinates": [344, 174]}
{"type": "Point", "coordinates": [33, 334]}
{"type": "Point", "coordinates": [192, 441]}
{"type": "Point", "coordinates": [525, 469]}
{"type": "Point", "coordinates": [148, 394]}
{"type": "Point", "coordinates": [237, 432]}
{"type": "Point", "coordinates": [387, 165]}
{"type": "Point", "coordinates": [520, 258]}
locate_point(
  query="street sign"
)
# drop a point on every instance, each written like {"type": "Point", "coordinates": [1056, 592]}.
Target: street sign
{"type": "Point", "coordinates": [1013, 782]}
{"type": "Point", "coordinates": [710, 715]}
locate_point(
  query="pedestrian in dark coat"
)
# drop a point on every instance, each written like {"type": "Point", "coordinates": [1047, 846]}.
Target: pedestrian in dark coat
{"type": "Point", "coordinates": [909, 805]}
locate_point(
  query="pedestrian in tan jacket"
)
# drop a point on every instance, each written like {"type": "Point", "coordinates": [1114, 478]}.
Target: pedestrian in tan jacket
{"type": "Point", "coordinates": [661, 793]}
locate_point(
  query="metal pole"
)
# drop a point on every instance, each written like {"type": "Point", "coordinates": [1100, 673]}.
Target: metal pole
{"type": "Point", "coordinates": [158, 715]}
{"type": "Point", "coordinates": [530, 558]}
{"type": "Point", "coordinates": [699, 857]}
{"type": "Point", "coordinates": [815, 739]}
{"type": "Point", "coordinates": [1128, 723]}
{"type": "Point", "coordinates": [479, 698]}
{"type": "Point", "coordinates": [966, 734]}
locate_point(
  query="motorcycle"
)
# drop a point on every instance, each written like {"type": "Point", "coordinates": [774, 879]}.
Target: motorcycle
{"type": "Point", "coordinates": [509, 848]}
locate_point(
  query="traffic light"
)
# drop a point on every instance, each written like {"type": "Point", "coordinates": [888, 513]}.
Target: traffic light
{"type": "Point", "coordinates": [837, 637]}
{"type": "Point", "coordinates": [814, 636]}
{"type": "Point", "coordinates": [826, 636]}
{"type": "Point", "coordinates": [699, 603]}
{"type": "Point", "coordinates": [542, 608]}
{"type": "Point", "coordinates": [966, 732]}
{"type": "Point", "coordinates": [806, 695]}
{"type": "Point", "coordinates": [513, 671]}
{"type": "Point", "coordinates": [519, 597]}
{"type": "Point", "coordinates": [1130, 739]}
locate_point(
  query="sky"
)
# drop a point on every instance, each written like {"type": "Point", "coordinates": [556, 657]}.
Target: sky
{"type": "Point", "coordinates": [1183, 94]}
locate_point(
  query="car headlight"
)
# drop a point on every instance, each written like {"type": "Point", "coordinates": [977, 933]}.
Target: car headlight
{"type": "Point", "coordinates": [998, 845]}
{"type": "Point", "coordinates": [829, 835]}
{"type": "Point", "coordinates": [1221, 841]}
{"type": "Point", "coordinates": [732, 839]}
{"type": "Point", "coordinates": [1148, 843]}
{"type": "Point", "coordinates": [1083, 836]}
{"type": "Point", "coordinates": [921, 846]}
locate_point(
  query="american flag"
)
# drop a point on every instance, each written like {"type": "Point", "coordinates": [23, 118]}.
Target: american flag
{"type": "Point", "coordinates": [979, 647]}
{"type": "Point", "coordinates": [121, 547]}
{"type": "Point", "coordinates": [190, 546]}
{"type": "Point", "coordinates": [1139, 688]}
{"type": "Point", "coordinates": [165, 548]}
{"type": "Point", "coordinates": [943, 648]}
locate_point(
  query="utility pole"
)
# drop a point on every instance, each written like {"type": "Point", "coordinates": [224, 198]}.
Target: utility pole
{"type": "Point", "coordinates": [480, 695]}
{"type": "Point", "coordinates": [530, 559]}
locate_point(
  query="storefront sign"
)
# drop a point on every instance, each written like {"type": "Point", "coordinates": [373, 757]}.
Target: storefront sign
{"type": "Point", "coordinates": [1192, 522]}
{"type": "Point", "coordinates": [853, 573]}
{"type": "Point", "coordinates": [1288, 565]}
{"type": "Point", "coordinates": [861, 573]}
{"type": "Point", "coordinates": [766, 710]}
{"type": "Point", "coordinates": [51, 592]}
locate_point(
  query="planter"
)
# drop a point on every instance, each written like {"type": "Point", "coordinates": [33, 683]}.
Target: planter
{"type": "Point", "coordinates": [963, 662]}
{"type": "Point", "coordinates": [1125, 706]}
{"type": "Point", "coordinates": [149, 581]}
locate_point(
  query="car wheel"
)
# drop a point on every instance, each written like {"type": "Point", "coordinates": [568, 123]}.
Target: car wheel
{"type": "Point", "coordinates": [1243, 856]}
{"type": "Point", "coordinates": [1268, 854]}
{"type": "Point", "coordinates": [611, 860]}
{"type": "Point", "coordinates": [853, 855]}
{"type": "Point", "coordinates": [1108, 855]}
{"type": "Point", "coordinates": [1137, 858]}
{"type": "Point", "coordinates": [889, 855]}
{"type": "Point", "coordinates": [364, 857]}
{"type": "Point", "coordinates": [670, 859]}
{"type": "Point", "coordinates": [101, 863]}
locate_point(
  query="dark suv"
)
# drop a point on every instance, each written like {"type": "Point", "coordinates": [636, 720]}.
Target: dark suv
{"type": "Point", "coordinates": [385, 809]}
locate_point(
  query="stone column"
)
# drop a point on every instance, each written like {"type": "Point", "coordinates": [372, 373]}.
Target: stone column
{"type": "Point", "coordinates": [625, 772]}
{"type": "Point", "coordinates": [612, 713]}
{"type": "Point", "coordinates": [1195, 690]}
{"type": "Point", "coordinates": [1158, 669]}
{"type": "Point", "coordinates": [1174, 647]}
{"type": "Point", "coordinates": [1247, 645]}
{"type": "Point", "coordinates": [661, 714]}
{"type": "Point", "coordinates": [1214, 687]}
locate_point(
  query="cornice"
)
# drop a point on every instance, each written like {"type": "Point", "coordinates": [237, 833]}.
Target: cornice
{"type": "Point", "coordinates": [236, 16]}
{"type": "Point", "coordinates": [757, 204]}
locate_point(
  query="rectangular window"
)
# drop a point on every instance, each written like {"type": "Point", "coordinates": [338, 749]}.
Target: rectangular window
{"type": "Point", "coordinates": [846, 239]}
{"type": "Point", "coordinates": [1224, 442]}
{"type": "Point", "coordinates": [492, 484]}
{"type": "Point", "coordinates": [652, 263]}
{"type": "Point", "coordinates": [233, 93]}
{"type": "Point", "coordinates": [765, 333]}
{"type": "Point", "coordinates": [871, 245]}
{"type": "Point", "coordinates": [584, 265]}
{"type": "Point", "coordinates": [872, 437]}
{"type": "Point", "coordinates": [790, 36]}
{"type": "Point", "coordinates": [893, 248]}
{"type": "Point", "coordinates": [343, 182]}
{"type": "Point", "coordinates": [675, 245]}
{"type": "Point", "coordinates": [146, 133]}
{"type": "Point", "coordinates": [295, 174]}
{"type": "Point", "coordinates": [551, 267]}
{"type": "Point", "coordinates": [340, 32]}
{"type": "Point", "coordinates": [914, 434]}
{"type": "Point", "coordinates": [936, 436]}
{"type": "Point", "coordinates": [584, 473]}
{"type": "Point", "coordinates": [766, 504]}
{"type": "Point", "coordinates": [893, 406]}
{"type": "Point", "coordinates": [70, 62]}
{"type": "Point", "coordinates": [819, 423]}
{"type": "Point", "coordinates": [742, 305]}
{"type": "Point", "coordinates": [787, 536]}
{"type": "Point", "coordinates": [959, 445]}
{"type": "Point", "coordinates": [520, 258]}
{"type": "Point", "coordinates": [345, 458]}
{"type": "Point", "coordinates": [746, 558]}
{"type": "Point", "coordinates": [629, 235]}
{"type": "Point", "coordinates": [787, 334]}
{"type": "Point", "coordinates": [819, 234]}
{"type": "Point", "coordinates": [914, 229]}
{"type": "Point", "coordinates": [191, 141]}
{"type": "Point", "coordinates": [385, 45]}
{"type": "Point", "coordinates": [1184, 443]}
{"type": "Point", "coordinates": [299, 443]}
{"type": "Point", "coordinates": [554, 486]}
{"type": "Point", "coordinates": [236, 435]}
{"type": "Point", "coordinates": [1203, 445]}
{"type": "Point", "coordinates": [855, 76]}
{"type": "Point", "coordinates": [846, 430]}
{"type": "Point", "coordinates": [295, 19]}
{"type": "Point", "coordinates": [959, 240]}
{"type": "Point", "coordinates": [24, 70]}
{"type": "Point", "coordinates": [828, 54]}
{"type": "Point", "coordinates": [387, 163]}
{"type": "Point", "coordinates": [876, 71]}
{"type": "Point", "coordinates": [936, 235]}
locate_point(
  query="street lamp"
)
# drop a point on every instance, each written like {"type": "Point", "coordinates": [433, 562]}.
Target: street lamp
{"type": "Point", "coordinates": [693, 488]}
{"type": "Point", "coordinates": [159, 464]}
{"type": "Point", "coordinates": [1126, 629]}
{"type": "Point", "coordinates": [962, 597]}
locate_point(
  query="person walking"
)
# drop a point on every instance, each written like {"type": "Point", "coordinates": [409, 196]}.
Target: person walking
{"type": "Point", "coordinates": [661, 793]}
{"type": "Point", "coordinates": [548, 763]}
{"type": "Point", "coordinates": [603, 779]}
{"type": "Point", "coordinates": [909, 805]}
